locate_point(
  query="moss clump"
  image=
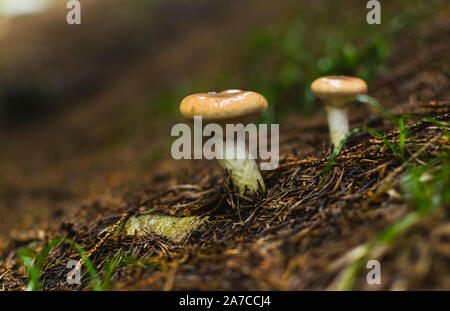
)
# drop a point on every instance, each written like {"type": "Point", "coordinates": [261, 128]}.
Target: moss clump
{"type": "Point", "coordinates": [175, 229]}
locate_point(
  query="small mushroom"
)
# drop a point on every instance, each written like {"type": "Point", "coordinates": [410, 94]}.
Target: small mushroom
{"type": "Point", "coordinates": [230, 107]}
{"type": "Point", "coordinates": [337, 92]}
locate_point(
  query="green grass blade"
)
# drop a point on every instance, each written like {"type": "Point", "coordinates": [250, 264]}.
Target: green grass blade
{"type": "Point", "coordinates": [109, 268]}
{"type": "Point", "coordinates": [28, 259]}
{"type": "Point", "coordinates": [380, 108]}
{"type": "Point", "coordinates": [35, 269]}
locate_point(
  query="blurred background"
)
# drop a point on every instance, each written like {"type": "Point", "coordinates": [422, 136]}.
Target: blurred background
{"type": "Point", "coordinates": [89, 107]}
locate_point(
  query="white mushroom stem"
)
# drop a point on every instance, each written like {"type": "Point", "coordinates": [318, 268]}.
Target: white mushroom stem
{"type": "Point", "coordinates": [242, 168]}
{"type": "Point", "coordinates": [337, 123]}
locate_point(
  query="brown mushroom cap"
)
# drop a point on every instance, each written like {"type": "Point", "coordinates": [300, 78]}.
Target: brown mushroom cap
{"type": "Point", "coordinates": [230, 106]}
{"type": "Point", "coordinates": [338, 86]}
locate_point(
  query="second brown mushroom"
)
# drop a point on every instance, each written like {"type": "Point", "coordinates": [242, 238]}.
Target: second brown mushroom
{"type": "Point", "coordinates": [337, 92]}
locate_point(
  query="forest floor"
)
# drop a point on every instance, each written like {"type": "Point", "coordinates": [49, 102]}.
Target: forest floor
{"type": "Point", "coordinates": [301, 234]}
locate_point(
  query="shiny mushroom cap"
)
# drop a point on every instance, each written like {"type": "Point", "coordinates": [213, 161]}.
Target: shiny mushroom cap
{"type": "Point", "coordinates": [338, 87]}
{"type": "Point", "coordinates": [230, 106]}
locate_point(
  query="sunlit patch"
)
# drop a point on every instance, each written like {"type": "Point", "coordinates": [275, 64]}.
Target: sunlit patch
{"type": "Point", "coordinates": [14, 8]}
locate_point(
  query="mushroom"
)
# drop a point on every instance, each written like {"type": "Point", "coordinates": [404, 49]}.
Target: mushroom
{"type": "Point", "coordinates": [230, 107]}
{"type": "Point", "coordinates": [337, 92]}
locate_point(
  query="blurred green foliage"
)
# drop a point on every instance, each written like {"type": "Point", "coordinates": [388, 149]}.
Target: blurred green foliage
{"type": "Point", "coordinates": [285, 59]}
{"type": "Point", "coordinates": [282, 59]}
